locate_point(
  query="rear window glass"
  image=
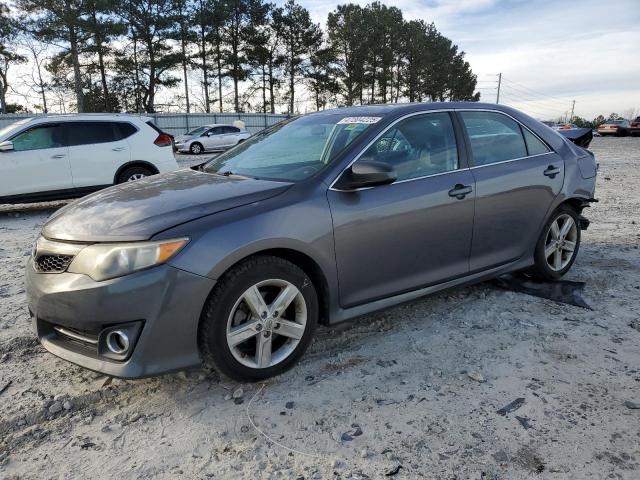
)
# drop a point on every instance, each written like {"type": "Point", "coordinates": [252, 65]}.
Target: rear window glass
{"type": "Point", "coordinates": [124, 130]}
{"type": "Point", "coordinates": [494, 137]}
{"type": "Point", "coordinates": [534, 145]}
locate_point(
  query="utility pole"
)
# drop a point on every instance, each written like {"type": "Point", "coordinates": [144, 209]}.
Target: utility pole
{"type": "Point", "coordinates": [573, 106]}
{"type": "Point", "coordinates": [499, 83]}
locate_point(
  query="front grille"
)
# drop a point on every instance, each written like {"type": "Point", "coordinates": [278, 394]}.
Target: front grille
{"type": "Point", "coordinates": [52, 263]}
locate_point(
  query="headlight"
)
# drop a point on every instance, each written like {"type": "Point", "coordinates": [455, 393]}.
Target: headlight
{"type": "Point", "coordinates": [102, 261]}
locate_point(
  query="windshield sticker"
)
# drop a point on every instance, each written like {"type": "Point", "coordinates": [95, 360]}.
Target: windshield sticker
{"type": "Point", "coordinates": [365, 120]}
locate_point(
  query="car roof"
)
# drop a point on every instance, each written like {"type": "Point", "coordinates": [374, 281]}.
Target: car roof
{"type": "Point", "coordinates": [402, 108]}
{"type": "Point", "coordinates": [90, 116]}
{"type": "Point", "coordinates": [211, 125]}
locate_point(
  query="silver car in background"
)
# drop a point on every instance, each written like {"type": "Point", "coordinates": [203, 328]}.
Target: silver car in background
{"type": "Point", "coordinates": [211, 137]}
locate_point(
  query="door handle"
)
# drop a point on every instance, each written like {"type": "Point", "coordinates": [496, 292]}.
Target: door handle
{"type": "Point", "coordinates": [551, 171]}
{"type": "Point", "coordinates": [117, 149]}
{"type": "Point", "coordinates": [60, 155]}
{"type": "Point", "coordinates": [460, 191]}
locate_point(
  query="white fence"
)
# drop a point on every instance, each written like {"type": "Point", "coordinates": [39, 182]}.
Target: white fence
{"type": "Point", "coordinates": [179, 123]}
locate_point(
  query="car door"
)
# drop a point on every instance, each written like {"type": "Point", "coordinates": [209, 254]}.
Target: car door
{"type": "Point", "coordinates": [415, 232]}
{"type": "Point", "coordinates": [517, 177]}
{"type": "Point", "coordinates": [231, 136]}
{"type": "Point", "coordinates": [214, 138]}
{"type": "Point", "coordinates": [96, 150]}
{"type": "Point", "coordinates": [39, 162]}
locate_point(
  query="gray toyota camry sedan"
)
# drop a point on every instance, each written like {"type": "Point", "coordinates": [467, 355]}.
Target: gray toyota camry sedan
{"type": "Point", "coordinates": [317, 219]}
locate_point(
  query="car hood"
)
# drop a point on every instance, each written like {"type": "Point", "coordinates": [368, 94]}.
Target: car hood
{"type": "Point", "coordinates": [138, 210]}
{"type": "Point", "coordinates": [183, 138]}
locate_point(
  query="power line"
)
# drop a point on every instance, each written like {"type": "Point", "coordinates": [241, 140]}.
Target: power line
{"type": "Point", "coordinates": [532, 90]}
{"type": "Point", "coordinates": [522, 94]}
{"type": "Point", "coordinates": [534, 104]}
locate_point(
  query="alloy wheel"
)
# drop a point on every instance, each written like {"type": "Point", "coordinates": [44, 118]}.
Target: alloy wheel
{"type": "Point", "coordinates": [561, 241]}
{"type": "Point", "coordinates": [136, 176]}
{"type": "Point", "coordinates": [266, 323]}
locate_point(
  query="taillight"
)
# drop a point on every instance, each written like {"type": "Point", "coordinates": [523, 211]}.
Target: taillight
{"type": "Point", "coordinates": [163, 140]}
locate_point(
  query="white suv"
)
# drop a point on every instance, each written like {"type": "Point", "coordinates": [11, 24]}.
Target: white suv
{"type": "Point", "coordinates": [55, 157]}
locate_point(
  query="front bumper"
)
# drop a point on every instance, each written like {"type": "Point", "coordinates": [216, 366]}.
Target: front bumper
{"type": "Point", "coordinates": [164, 301]}
{"type": "Point", "coordinates": [182, 147]}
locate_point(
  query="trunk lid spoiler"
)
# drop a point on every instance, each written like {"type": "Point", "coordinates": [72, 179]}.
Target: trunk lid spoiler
{"type": "Point", "coordinates": [580, 136]}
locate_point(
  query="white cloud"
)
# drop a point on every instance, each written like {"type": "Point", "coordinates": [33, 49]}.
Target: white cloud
{"type": "Point", "coordinates": [587, 51]}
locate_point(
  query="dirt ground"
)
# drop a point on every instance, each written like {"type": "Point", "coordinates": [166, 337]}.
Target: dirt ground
{"type": "Point", "coordinates": [418, 391]}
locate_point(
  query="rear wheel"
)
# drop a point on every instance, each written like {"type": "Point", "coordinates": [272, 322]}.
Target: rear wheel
{"type": "Point", "coordinates": [196, 148]}
{"type": "Point", "coordinates": [259, 319]}
{"type": "Point", "coordinates": [132, 174]}
{"type": "Point", "coordinates": [558, 245]}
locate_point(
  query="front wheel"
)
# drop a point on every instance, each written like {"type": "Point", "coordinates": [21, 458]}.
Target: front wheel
{"type": "Point", "coordinates": [259, 319]}
{"type": "Point", "coordinates": [558, 245]}
{"type": "Point", "coordinates": [196, 148]}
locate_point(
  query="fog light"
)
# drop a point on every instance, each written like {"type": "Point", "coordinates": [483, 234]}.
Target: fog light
{"type": "Point", "coordinates": [117, 342]}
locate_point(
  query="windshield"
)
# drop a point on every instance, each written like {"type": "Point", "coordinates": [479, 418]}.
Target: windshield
{"type": "Point", "coordinates": [9, 128]}
{"type": "Point", "coordinates": [198, 131]}
{"type": "Point", "coordinates": [293, 149]}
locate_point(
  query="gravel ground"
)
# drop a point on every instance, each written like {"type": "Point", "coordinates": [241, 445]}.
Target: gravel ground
{"type": "Point", "coordinates": [418, 391]}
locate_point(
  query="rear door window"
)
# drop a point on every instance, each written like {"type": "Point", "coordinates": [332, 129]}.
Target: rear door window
{"type": "Point", "coordinates": [89, 133]}
{"type": "Point", "coordinates": [494, 137]}
{"type": "Point", "coordinates": [231, 129]}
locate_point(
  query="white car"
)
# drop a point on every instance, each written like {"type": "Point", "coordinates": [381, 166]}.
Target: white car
{"type": "Point", "coordinates": [211, 137]}
{"type": "Point", "coordinates": [65, 156]}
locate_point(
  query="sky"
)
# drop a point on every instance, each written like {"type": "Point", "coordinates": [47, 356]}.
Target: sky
{"type": "Point", "coordinates": [549, 52]}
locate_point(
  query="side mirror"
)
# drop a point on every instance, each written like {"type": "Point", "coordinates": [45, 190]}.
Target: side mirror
{"type": "Point", "coordinates": [6, 146]}
{"type": "Point", "coordinates": [367, 173]}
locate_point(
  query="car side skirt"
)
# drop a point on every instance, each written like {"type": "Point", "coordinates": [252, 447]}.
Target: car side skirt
{"type": "Point", "coordinates": [348, 313]}
{"type": "Point", "coordinates": [51, 195]}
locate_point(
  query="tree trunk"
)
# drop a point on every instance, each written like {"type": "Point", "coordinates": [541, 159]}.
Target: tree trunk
{"type": "Point", "coordinates": [264, 90]}
{"type": "Point", "coordinates": [184, 73]}
{"type": "Point", "coordinates": [219, 60]}
{"type": "Point", "coordinates": [41, 85]}
{"type": "Point", "coordinates": [151, 93]}
{"type": "Point", "coordinates": [272, 99]}
{"type": "Point", "coordinates": [3, 92]}
{"type": "Point", "coordinates": [77, 79]}
{"type": "Point", "coordinates": [183, 45]}
{"type": "Point", "coordinates": [235, 40]}
{"type": "Point", "coordinates": [291, 83]}
{"type": "Point", "coordinates": [137, 75]}
{"type": "Point", "coordinates": [101, 67]}
{"type": "Point", "coordinates": [205, 69]}
{"type": "Point", "coordinates": [236, 97]}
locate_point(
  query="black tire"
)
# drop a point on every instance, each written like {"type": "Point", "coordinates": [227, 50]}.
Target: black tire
{"type": "Point", "coordinates": [130, 174]}
{"type": "Point", "coordinates": [196, 148]}
{"type": "Point", "coordinates": [541, 269]}
{"type": "Point", "coordinates": [212, 336]}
